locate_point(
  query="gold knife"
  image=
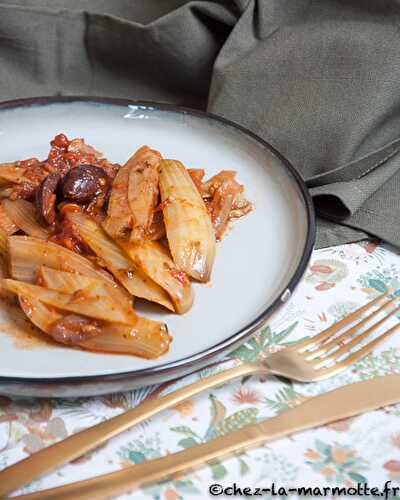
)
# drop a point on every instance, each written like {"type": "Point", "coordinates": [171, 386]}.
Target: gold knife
{"type": "Point", "coordinates": [341, 403]}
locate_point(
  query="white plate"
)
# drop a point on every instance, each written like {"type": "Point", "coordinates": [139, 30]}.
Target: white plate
{"type": "Point", "coordinates": [259, 262]}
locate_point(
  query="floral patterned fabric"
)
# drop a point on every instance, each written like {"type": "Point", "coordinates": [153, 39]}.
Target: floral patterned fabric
{"type": "Point", "coordinates": [362, 449]}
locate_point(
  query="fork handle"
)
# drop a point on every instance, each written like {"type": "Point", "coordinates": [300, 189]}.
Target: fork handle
{"type": "Point", "coordinates": [78, 444]}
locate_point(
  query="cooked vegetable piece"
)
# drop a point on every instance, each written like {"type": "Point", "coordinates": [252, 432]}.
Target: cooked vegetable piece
{"type": "Point", "coordinates": [89, 301]}
{"type": "Point", "coordinates": [65, 328]}
{"type": "Point", "coordinates": [6, 191]}
{"type": "Point", "coordinates": [188, 225]}
{"type": "Point", "coordinates": [146, 338]}
{"type": "Point", "coordinates": [66, 282]}
{"type": "Point", "coordinates": [157, 229]}
{"type": "Point", "coordinates": [71, 281]}
{"type": "Point", "coordinates": [40, 314]}
{"type": "Point", "coordinates": [111, 169]}
{"type": "Point", "coordinates": [197, 175]}
{"type": "Point", "coordinates": [3, 263]}
{"type": "Point", "coordinates": [154, 259]}
{"type": "Point", "coordinates": [143, 190]}
{"type": "Point", "coordinates": [12, 173]}
{"type": "Point", "coordinates": [221, 205]}
{"type": "Point", "coordinates": [23, 214]}
{"type": "Point", "coordinates": [118, 222]}
{"type": "Point", "coordinates": [133, 195]}
{"type": "Point", "coordinates": [208, 188]}
{"type": "Point", "coordinates": [7, 225]}
{"type": "Point", "coordinates": [241, 206]}
{"type": "Point", "coordinates": [3, 244]}
{"type": "Point", "coordinates": [78, 145]}
{"type": "Point", "coordinates": [133, 279]}
{"type": "Point", "coordinates": [3, 255]}
{"type": "Point", "coordinates": [26, 254]}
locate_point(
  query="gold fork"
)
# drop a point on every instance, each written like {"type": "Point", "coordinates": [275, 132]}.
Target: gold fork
{"type": "Point", "coordinates": [310, 360]}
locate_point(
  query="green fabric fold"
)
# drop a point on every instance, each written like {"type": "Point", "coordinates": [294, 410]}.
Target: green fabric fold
{"type": "Point", "coordinates": [316, 79]}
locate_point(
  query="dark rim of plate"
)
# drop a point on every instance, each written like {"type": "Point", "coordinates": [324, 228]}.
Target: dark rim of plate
{"type": "Point", "coordinates": [237, 337]}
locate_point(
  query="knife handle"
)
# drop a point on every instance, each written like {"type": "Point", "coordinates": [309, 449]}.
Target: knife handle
{"type": "Point", "coordinates": [345, 402]}
{"type": "Point", "coordinates": [78, 444]}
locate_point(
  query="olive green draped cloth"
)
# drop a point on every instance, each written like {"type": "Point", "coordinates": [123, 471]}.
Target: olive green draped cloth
{"type": "Point", "coordinates": [319, 80]}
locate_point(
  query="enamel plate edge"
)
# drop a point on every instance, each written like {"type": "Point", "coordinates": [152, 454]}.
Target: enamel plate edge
{"type": "Point", "coordinates": [259, 261]}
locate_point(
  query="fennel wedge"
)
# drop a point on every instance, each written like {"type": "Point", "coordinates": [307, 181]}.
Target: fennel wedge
{"type": "Point", "coordinates": [4, 273]}
{"type": "Point", "coordinates": [75, 282]}
{"type": "Point", "coordinates": [26, 254]}
{"type": "Point", "coordinates": [143, 190]}
{"type": "Point", "coordinates": [154, 259]}
{"type": "Point", "coordinates": [23, 215]}
{"type": "Point", "coordinates": [118, 222]}
{"type": "Point", "coordinates": [146, 338]}
{"type": "Point", "coordinates": [188, 225]}
{"type": "Point", "coordinates": [118, 262]}
{"type": "Point", "coordinates": [6, 223]}
{"type": "Point", "coordinates": [88, 301]}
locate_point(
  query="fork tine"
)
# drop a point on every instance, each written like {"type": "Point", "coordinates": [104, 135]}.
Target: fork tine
{"type": "Point", "coordinates": [346, 348]}
{"type": "Point", "coordinates": [336, 341]}
{"type": "Point", "coordinates": [361, 353]}
{"type": "Point", "coordinates": [303, 346]}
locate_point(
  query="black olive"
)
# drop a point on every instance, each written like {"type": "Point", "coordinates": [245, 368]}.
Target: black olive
{"type": "Point", "coordinates": [46, 198]}
{"type": "Point", "coordinates": [84, 182]}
